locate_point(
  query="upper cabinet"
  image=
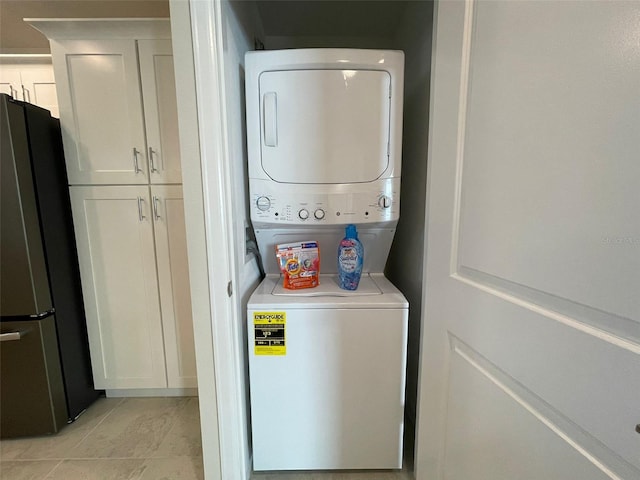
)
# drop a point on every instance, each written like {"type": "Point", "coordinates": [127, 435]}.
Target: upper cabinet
{"type": "Point", "coordinates": [101, 112]}
{"type": "Point", "coordinates": [160, 110]}
{"type": "Point", "coordinates": [29, 78]}
{"type": "Point", "coordinates": [116, 91]}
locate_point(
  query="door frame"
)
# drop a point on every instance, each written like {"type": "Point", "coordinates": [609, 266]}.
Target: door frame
{"type": "Point", "coordinates": [208, 219]}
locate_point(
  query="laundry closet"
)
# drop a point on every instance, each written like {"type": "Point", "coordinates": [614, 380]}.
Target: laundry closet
{"type": "Point", "coordinates": [522, 321]}
{"type": "Point", "coordinates": [383, 25]}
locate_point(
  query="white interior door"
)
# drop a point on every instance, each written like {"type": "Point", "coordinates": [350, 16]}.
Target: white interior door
{"type": "Point", "coordinates": [531, 335]}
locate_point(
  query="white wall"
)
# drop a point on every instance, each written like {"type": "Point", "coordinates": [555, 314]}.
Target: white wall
{"type": "Point", "coordinates": [274, 42]}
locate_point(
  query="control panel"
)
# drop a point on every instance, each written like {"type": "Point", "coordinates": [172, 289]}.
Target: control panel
{"type": "Point", "coordinates": [295, 206]}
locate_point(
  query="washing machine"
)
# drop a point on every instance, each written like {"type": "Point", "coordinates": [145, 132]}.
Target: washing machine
{"type": "Point", "coordinates": [326, 365]}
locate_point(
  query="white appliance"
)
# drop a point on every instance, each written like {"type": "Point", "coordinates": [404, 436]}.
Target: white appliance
{"type": "Point", "coordinates": [326, 366]}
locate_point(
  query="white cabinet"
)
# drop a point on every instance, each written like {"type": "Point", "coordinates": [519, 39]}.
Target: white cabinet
{"type": "Point", "coordinates": [160, 110]}
{"type": "Point", "coordinates": [118, 113]}
{"type": "Point", "coordinates": [30, 79]}
{"type": "Point", "coordinates": [118, 110]}
{"type": "Point", "coordinates": [114, 234]}
{"type": "Point", "coordinates": [135, 285]}
{"type": "Point", "coordinates": [101, 112]}
{"type": "Point", "coordinates": [11, 81]}
{"type": "Point", "coordinates": [173, 282]}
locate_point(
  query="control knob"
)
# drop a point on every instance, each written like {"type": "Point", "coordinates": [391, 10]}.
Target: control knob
{"type": "Point", "coordinates": [263, 203]}
{"type": "Point", "coordinates": [319, 214]}
{"type": "Point", "coordinates": [303, 214]}
{"type": "Point", "coordinates": [384, 201]}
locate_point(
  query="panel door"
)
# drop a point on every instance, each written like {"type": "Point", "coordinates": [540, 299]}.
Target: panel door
{"type": "Point", "coordinates": [32, 83]}
{"type": "Point", "coordinates": [39, 87]}
{"type": "Point", "coordinates": [114, 232]}
{"type": "Point", "coordinates": [160, 110]}
{"type": "Point", "coordinates": [173, 281]}
{"type": "Point", "coordinates": [531, 333]}
{"type": "Point", "coordinates": [101, 111]}
{"type": "Point", "coordinates": [10, 81]}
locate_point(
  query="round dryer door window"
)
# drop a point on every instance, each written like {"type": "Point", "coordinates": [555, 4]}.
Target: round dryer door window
{"type": "Point", "coordinates": [325, 126]}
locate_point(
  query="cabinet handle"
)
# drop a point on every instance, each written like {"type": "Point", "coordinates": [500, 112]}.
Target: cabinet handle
{"type": "Point", "coordinates": [152, 161]}
{"type": "Point", "coordinates": [26, 95]}
{"type": "Point", "coordinates": [156, 213]}
{"type": "Point", "coordinates": [141, 215]}
{"type": "Point", "coordinates": [136, 167]}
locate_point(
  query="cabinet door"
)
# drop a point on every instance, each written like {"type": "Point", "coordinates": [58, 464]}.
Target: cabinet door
{"type": "Point", "coordinates": [114, 233]}
{"type": "Point", "coordinates": [160, 110]}
{"type": "Point", "coordinates": [10, 82]}
{"type": "Point", "coordinates": [33, 83]}
{"type": "Point", "coordinates": [39, 87]}
{"type": "Point", "coordinates": [100, 111]}
{"type": "Point", "coordinates": [173, 279]}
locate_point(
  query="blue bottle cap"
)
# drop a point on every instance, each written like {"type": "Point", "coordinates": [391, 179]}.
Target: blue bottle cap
{"type": "Point", "coordinates": [351, 231]}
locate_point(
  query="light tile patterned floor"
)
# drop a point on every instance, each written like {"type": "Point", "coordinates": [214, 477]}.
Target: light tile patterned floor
{"type": "Point", "coordinates": [405, 474]}
{"type": "Point", "coordinates": [135, 439]}
{"type": "Point", "coordinates": [132, 438]}
{"type": "Point", "coordinates": [343, 475]}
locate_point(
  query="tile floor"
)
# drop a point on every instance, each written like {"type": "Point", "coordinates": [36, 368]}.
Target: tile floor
{"type": "Point", "coordinates": [342, 475]}
{"type": "Point", "coordinates": [135, 439]}
{"type": "Point", "coordinates": [405, 474]}
{"type": "Point", "coordinates": [116, 438]}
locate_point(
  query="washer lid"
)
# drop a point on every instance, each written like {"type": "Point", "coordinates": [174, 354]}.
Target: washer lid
{"type": "Point", "coordinates": [325, 126]}
{"type": "Point", "coordinates": [329, 287]}
{"type": "Point", "coordinates": [263, 298]}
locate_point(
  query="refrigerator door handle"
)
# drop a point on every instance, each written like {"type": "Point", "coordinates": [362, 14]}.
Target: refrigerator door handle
{"type": "Point", "coordinates": [11, 336]}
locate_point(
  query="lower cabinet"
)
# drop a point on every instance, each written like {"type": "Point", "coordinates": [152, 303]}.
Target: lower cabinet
{"type": "Point", "coordinates": [133, 263]}
{"type": "Point", "coordinates": [173, 284]}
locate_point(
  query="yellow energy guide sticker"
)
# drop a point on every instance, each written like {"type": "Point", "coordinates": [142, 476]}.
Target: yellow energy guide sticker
{"type": "Point", "coordinates": [269, 333]}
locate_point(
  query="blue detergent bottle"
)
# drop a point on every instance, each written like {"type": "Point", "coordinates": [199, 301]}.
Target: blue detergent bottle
{"type": "Point", "coordinates": [350, 259]}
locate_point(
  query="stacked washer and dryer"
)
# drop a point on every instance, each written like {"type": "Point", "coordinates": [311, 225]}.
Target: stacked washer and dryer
{"type": "Point", "coordinates": [326, 365]}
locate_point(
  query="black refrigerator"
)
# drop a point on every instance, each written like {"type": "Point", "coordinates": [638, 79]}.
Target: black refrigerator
{"type": "Point", "coordinates": [45, 368]}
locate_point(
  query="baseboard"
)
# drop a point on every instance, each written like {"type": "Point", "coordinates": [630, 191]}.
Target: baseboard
{"type": "Point", "coordinates": [152, 392]}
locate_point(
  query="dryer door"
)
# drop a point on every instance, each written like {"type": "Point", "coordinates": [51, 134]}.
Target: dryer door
{"type": "Point", "coordinates": [325, 126]}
